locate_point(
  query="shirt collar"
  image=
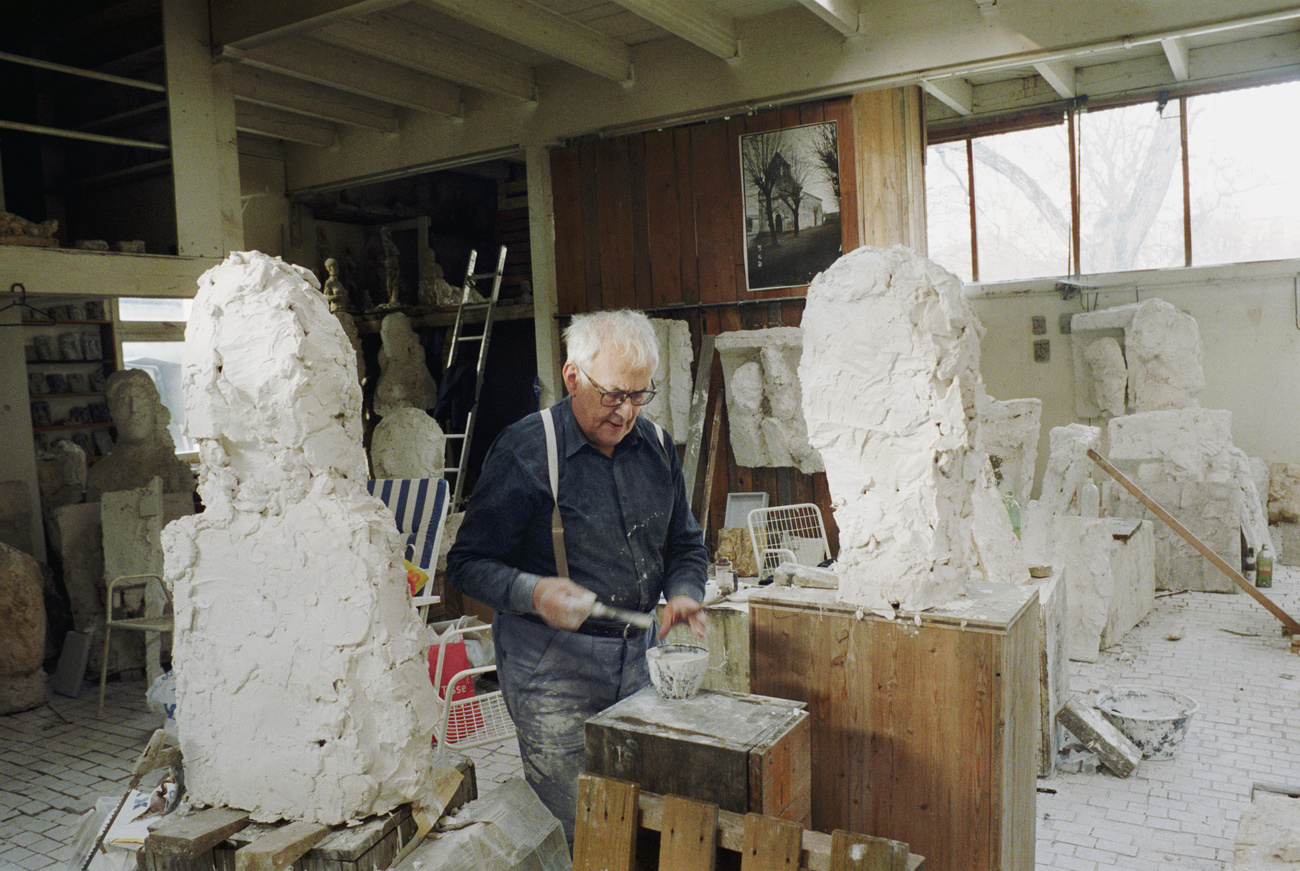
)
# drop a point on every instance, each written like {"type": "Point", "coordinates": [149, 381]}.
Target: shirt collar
{"type": "Point", "coordinates": [574, 438]}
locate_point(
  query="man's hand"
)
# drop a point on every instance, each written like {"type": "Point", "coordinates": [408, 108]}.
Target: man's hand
{"type": "Point", "coordinates": [562, 603]}
{"type": "Point", "coordinates": [684, 609]}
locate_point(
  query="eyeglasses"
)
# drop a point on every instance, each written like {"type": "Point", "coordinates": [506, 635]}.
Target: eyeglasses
{"type": "Point", "coordinates": [615, 398]}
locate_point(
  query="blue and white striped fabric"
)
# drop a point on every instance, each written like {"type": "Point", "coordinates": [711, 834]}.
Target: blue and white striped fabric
{"type": "Point", "coordinates": [419, 506]}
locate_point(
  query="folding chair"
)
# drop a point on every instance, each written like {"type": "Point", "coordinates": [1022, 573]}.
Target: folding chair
{"type": "Point", "coordinates": [419, 506]}
{"type": "Point", "coordinates": [471, 716]}
{"type": "Point", "coordinates": [788, 533]}
{"type": "Point", "coordinates": [158, 623]}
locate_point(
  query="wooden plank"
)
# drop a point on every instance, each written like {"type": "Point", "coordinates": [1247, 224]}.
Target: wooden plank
{"type": "Point", "coordinates": [614, 223]}
{"type": "Point", "coordinates": [281, 848]}
{"type": "Point", "coordinates": [589, 214]}
{"type": "Point", "coordinates": [604, 836]}
{"type": "Point", "coordinates": [638, 217]}
{"type": "Point", "coordinates": [663, 220]}
{"type": "Point", "coordinates": [566, 190]}
{"type": "Point", "coordinates": [690, 834]}
{"type": "Point", "coordinates": [854, 852]}
{"type": "Point", "coordinates": [840, 111]}
{"type": "Point", "coordinates": [771, 844]}
{"type": "Point", "coordinates": [196, 833]}
{"type": "Point", "coordinates": [716, 231]}
{"type": "Point", "coordinates": [689, 248]}
{"type": "Point", "coordinates": [1099, 735]}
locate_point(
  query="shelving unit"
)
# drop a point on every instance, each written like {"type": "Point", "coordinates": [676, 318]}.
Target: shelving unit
{"type": "Point", "coordinates": [52, 351]}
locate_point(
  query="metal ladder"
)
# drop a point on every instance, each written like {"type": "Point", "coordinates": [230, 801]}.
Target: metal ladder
{"type": "Point", "coordinates": [458, 339]}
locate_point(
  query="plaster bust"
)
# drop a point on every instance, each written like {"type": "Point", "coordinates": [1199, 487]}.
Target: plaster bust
{"type": "Point", "coordinates": [144, 446]}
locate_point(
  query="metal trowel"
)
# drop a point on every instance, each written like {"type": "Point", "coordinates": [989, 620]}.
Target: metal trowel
{"type": "Point", "coordinates": [593, 608]}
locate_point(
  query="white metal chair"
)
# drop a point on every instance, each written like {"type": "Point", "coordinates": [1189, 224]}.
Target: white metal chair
{"type": "Point", "coordinates": [788, 533]}
{"type": "Point", "coordinates": [477, 718]}
{"type": "Point", "coordinates": [158, 623]}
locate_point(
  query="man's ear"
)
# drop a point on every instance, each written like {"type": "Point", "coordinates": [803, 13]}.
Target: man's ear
{"type": "Point", "coordinates": [570, 375]}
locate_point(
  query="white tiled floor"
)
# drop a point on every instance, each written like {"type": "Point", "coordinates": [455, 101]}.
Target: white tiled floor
{"type": "Point", "coordinates": [1182, 814]}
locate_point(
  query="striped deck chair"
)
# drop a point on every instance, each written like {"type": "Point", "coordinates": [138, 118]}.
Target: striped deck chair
{"type": "Point", "coordinates": [419, 506]}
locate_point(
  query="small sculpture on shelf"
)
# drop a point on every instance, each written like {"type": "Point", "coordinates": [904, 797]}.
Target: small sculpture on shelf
{"type": "Point", "coordinates": [435, 290]}
{"type": "Point", "coordinates": [78, 382]}
{"type": "Point", "coordinates": [144, 444]}
{"type": "Point", "coordinates": [335, 293]}
{"type": "Point", "coordinates": [36, 384]}
{"type": "Point", "coordinates": [17, 230]}
{"type": "Point", "coordinates": [40, 414]}
{"type": "Point", "coordinates": [56, 382]}
{"type": "Point", "coordinates": [392, 276]}
{"type": "Point", "coordinates": [91, 347]}
{"type": "Point", "coordinates": [70, 346]}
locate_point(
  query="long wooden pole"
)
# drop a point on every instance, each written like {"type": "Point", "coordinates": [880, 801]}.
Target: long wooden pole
{"type": "Point", "coordinates": [1235, 576]}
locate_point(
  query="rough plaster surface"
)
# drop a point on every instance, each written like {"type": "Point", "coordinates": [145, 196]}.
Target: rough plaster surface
{"type": "Point", "coordinates": [22, 643]}
{"type": "Point", "coordinates": [892, 412]}
{"type": "Point", "coordinates": [1083, 549]}
{"type": "Point", "coordinates": [15, 515]}
{"type": "Point", "coordinates": [1163, 347]}
{"type": "Point", "coordinates": [1068, 466]}
{"type": "Point", "coordinates": [671, 409]}
{"type": "Point", "coordinates": [349, 325]}
{"type": "Point", "coordinates": [1008, 433]}
{"type": "Point", "coordinates": [997, 549]}
{"type": "Point", "coordinates": [408, 443]}
{"type": "Point", "coordinates": [764, 414]}
{"type": "Point", "coordinates": [1109, 373]}
{"type": "Point", "coordinates": [301, 673]}
{"type": "Point", "coordinates": [61, 475]}
{"type": "Point", "coordinates": [404, 379]}
{"type": "Point", "coordinates": [1133, 566]}
{"type": "Point", "coordinates": [1284, 493]}
{"type": "Point", "coordinates": [1268, 836]}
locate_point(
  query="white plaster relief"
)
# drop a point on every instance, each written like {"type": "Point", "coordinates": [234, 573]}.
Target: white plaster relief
{"type": "Point", "coordinates": [671, 409]}
{"type": "Point", "coordinates": [892, 412]}
{"type": "Point", "coordinates": [302, 681]}
{"type": "Point", "coordinates": [1008, 433]}
{"type": "Point", "coordinates": [408, 443]}
{"type": "Point", "coordinates": [1163, 346]}
{"type": "Point", "coordinates": [404, 379]}
{"type": "Point", "coordinates": [1109, 372]}
{"type": "Point", "coordinates": [764, 413]}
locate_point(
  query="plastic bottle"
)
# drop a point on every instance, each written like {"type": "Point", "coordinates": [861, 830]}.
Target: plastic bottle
{"type": "Point", "coordinates": [1013, 511]}
{"type": "Point", "coordinates": [1089, 499]}
{"type": "Point", "coordinates": [1264, 567]}
{"type": "Point", "coordinates": [1249, 565]}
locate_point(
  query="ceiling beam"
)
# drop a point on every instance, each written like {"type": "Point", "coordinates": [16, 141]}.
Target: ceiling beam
{"type": "Point", "coordinates": [702, 27]}
{"type": "Point", "coordinates": [956, 94]}
{"type": "Point", "coordinates": [250, 23]}
{"type": "Point", "coordinates": [1176, 53]}
{"type": "Point", "coordinates": [353, 73]}
{"type": "Point", "coordinates": [278, 91]}
{"type": "Point", "coordinates": [545, 30]}
{"type": "Point", "coordinates": [1060, 75]}
{"type": "Point", "coordinates": [843, 15]}
{"type": "Point", "coordinates": [282, 125]}
{"type": "Point", "coordinates": [425, 51]}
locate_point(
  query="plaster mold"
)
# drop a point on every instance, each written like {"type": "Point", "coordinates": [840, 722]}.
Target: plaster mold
{"type": "Point", "coordinates": [892, 412]}
{"type": "Point", "coordinates": [1164, 351]}
{"type": "Point", "coordinates": [404, 379]}
{"type": "Point", "coordinates": [671, 409]}
{"type": "Point", "coordinates": [764, 413]}
{"type": "Point", "coordinates": [302, 682]}
{"type": "Point", "coordinates": [1008, 433]}
{"type": "Point", "coordinates": [1109, 373]}
{"type": "Point", "coordinates": [408, 444]}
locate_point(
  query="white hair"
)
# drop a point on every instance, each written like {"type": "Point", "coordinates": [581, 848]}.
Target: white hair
{"type": "Point", "coordinates": [625, 334]}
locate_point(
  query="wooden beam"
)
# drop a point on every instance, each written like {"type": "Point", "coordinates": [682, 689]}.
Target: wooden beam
{"type": "Point", "coordinates": [956, 94]}
{"type": "Point", "coordinates": [1060, 75]}
{"type": "Point", "coordinates": [843, 15]}
{"type": "Point", "coordinates": [251, 118]}
{"type": "Point", "coordinates": [1099, 735]}
{"type": "Point", "coordinates": [604, 836]}
{"type": "Point", "coordinates": [354, 73]}
{"type": "Point", "coordinates": [545, 30]}
{"type": "Point", "coordinates": [425, 51]}
{"type": "Point", "coordinates": [278, 91]}
{"type": "Point", "coordinates": [692, 22]}
{"type": "Point", "coordinates": [67, 272]}
{"type": "Point", "coordinates": [279, 849]}
{"type": "Point", "coordinates": [1176, 53]}
{"type": "Point", "coordinates": [250, 23]}
{"type": "Point", "coordinates": [689, 836]}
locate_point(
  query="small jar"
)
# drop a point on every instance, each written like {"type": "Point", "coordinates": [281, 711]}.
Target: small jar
{"type": "Point", "coordinates": [724, 575]}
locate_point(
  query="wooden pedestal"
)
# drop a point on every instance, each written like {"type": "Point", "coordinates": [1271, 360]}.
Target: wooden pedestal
{"type": "Point", "coordinates": [740, 752]}
{"type": "Point", "coordinates": [922, 732]}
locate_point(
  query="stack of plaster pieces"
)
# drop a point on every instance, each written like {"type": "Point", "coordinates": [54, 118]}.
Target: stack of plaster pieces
{"type": "Point", "coordinates": [301, 677]}
{"type": "Point", "coordinates": [891, 391]}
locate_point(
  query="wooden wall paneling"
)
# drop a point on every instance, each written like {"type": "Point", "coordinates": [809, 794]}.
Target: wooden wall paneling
{"type": "Point", "coordinates": [615, 226]}
{"type": "Point", "coordinates": [889, 165]}
{"type": "Point", "coordinates": [566, 189]}
{"type": "Point", "coordinates": [641, 276]}
{"type": "Point", "coordinates": [663, 221]}
{"type": "Point", "coordinates": [715, 240]}
{"type": "Point", "coordinates": [840, 111]}
{"type": "Point", "coordinates": [1019, 775]}
{"type": "Point", "coordinates": [736, 127]}
{"type": "Point", "coordinates": [812, 113]}
{"type": "Point", "coordinates": [822, 496]}
{"type": "Point", "coordinates": [683, 156]}
{"type": "Point", "coordinates": [589, 212]}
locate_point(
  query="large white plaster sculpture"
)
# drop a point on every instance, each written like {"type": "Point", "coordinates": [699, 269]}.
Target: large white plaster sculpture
{"type": "Point", "coordinates": [671, 409]}
{"type": "Point", "coordinates": [890, 372]}
{"type": "Point", "coordinates": [1008, 433]}
{"type": "Point", "coordinates": [302, 684]}
{"type": "Point", "coordinates": [761, 371]}
{"type": "Point", "coordinates": [404, 379]}
{"type": "Point", "coordinates": [144, 446]}
{"type": "Point", "coordinates": [408, 444]}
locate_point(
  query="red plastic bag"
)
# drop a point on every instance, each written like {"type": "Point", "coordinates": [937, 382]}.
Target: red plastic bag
{"type": "Point", "coordinates": [465, 719]}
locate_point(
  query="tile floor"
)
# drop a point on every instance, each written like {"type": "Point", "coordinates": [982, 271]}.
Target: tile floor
{"type": "Point", "coordinates": [1181, 814]}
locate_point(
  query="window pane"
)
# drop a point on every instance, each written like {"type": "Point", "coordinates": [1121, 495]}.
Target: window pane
{"type": "Point", "coordinates": [162, 360]}
{"type": "Point", "coordinates": [1130, 189]}
{"type": "Point", "coordinates": [148, 309]}
{"type": "Point", "coordinates": [1244, 176]}
{"type": "Point", "coordinates": [1022, 203]}
{"type": "Point", "coordinates": [947, 207]}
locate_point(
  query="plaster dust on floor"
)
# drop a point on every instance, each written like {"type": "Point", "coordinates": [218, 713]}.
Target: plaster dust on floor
{"type": "Point", "coordinates": [302, 684]}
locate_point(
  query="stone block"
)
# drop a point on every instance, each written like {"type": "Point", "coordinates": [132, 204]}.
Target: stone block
{"type": "Point", "coordinates": [1083, 553]}
{"type": "Point", "coordinates": [22, 642]}
{"type": "Point", "coordinates": [1054, 665]}
{"type": "Point", "coordinates": [1284, 493]}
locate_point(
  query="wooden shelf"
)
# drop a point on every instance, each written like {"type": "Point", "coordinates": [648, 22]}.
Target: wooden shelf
{"type": "Point", "coordinates": [37, 323]}
{"type": "Point", "coordinates": [67, 426]}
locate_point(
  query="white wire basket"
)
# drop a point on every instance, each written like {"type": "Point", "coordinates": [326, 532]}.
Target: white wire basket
{"type": "Point", "coordinates": [478, 717]}
{"type": "Point", "coordinates": [788, 533]}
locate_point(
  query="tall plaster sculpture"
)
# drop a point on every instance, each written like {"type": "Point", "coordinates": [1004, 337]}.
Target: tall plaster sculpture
{"type": "Point", "coordinates": [302, 683]}
{"type": "Point", "coordinates": [1164, 350]}
{"type": "Point", "coordinates": [144, 445]}
{"type": "Point", "coordinates": [892, 409]}
{"type": "Point", "coordinates": [404, 379]}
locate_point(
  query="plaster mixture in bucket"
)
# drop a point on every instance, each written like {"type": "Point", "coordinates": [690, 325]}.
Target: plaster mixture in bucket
{"type": "Point", "coordinates": [677, 670]}
{"type": "Point", "coordinates": [1154, 720]}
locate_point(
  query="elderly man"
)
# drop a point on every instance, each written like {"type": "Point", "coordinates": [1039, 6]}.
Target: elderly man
{"type": "Point", "coordinates": [628, 535]}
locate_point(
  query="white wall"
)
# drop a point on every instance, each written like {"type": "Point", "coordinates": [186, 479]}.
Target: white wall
{"type": "Point", "coordinates": [1248, 321]}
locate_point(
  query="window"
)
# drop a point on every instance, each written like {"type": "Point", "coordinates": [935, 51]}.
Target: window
{"type": "Point", "coordinates": [151, 333]}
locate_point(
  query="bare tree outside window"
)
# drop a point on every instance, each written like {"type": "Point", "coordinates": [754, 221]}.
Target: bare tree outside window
{"type": "Point", "coordinates": [792, 207]}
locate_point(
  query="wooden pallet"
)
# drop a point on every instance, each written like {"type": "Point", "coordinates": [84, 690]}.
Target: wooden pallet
{"type": "Point", "coordinates": [611, 813]}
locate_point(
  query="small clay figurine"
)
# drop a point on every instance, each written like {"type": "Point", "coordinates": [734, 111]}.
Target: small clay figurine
{"type": "Point", "coordinates": [335, 293]}
{"type": "Point", "coordinates": [392, 280]}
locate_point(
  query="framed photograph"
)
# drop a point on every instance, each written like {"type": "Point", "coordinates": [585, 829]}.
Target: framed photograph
{"type": "Point", "coordinates": [791, 182]}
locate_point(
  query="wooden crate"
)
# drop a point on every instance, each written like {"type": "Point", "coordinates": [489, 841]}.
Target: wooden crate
{"type": "Point", "coordinates": [922, 731]}
{"type": "Point", "coordinates": [738, 751]}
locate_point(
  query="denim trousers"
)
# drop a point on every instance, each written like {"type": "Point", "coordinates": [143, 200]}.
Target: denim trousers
{"type": "Point", "coordinates": [553, 681]}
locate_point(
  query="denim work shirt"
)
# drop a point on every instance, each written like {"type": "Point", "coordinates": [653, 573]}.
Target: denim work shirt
{"type": "Point", "coordinates": [628, 529]}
